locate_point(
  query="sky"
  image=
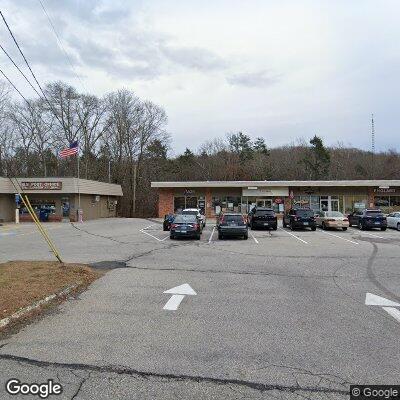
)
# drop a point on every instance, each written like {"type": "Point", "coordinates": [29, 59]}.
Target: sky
{"type": "Point", "coordinates": [281, 70]}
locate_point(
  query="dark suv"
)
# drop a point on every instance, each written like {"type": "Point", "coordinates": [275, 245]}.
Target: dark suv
{"type": "Point", "coordinates": [262, 218]}
{"type": "Point", "coordinates": [368, 219]}
{"type": "Point", "coordinates": [300, 218]}
{"type": "Point", "coordinates": [232, 224]}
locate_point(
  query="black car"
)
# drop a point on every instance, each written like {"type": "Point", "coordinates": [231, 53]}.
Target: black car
{"type": "Point", "coordinates": [300, 218]}
{"type": "Point", "coordinates": [368, 219]}
{"type": "Point", "coordinates": [232, 224]}
{"type": "Point", "coordinates": [262, 218]}
{"type": "Point", "coordinates": [168, 220]}
{"type": "Point", "coordinates": [185, 226]}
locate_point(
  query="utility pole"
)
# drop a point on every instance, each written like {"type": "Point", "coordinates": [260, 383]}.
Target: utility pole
{"type": "Point", "coordinates": [134, 188]}
{"type": "Point", "coordinates": [373, 145]}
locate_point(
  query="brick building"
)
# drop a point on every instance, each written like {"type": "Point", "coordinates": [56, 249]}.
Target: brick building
{"type": "Point", "coordinates": [239, 196]}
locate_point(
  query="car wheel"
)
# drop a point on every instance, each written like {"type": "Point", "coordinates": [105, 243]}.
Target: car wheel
{"type": "Point", "coordinates": [220, 237]}
{"type": "Point", "coordinates": [314, 228]}
{"type": "Point", "coordinates": [324, 226]}
{"type": "Point", "coordinates": [291, 226]}
{"type": "Point", "coordinates": [383, 229]}
{"type": "Point", "coordinates": [398, 226]}
{"type": "Point", "coordinates": [360, 226]}
{"type": "Point", "coordinates": [252, 226]}
{"type": "Point", "coordinates": [172, 237]}
{"type": "Point", "coordinates": [246, 236]}
{"type": "Point", "coordinates": [283, 224]}
{"type": "Point", "coordinates": [345, 229]}
{"type": "Point", "coordinates": [275, 227]}
{"type": "Point", "coordinates": [198, 236]}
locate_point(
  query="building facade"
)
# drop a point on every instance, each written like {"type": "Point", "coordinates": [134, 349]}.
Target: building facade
{"type": "Point", "coordinates": [58, 198]}
{"type": "Point", "coordinates": [214, 197]}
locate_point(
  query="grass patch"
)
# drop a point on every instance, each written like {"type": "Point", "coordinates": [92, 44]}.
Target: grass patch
{"type": "Point", "coordinates": [24, 282]}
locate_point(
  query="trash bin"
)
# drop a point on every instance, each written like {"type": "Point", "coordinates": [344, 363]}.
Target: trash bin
{"type": "Point", "coordinates": [43, 215]}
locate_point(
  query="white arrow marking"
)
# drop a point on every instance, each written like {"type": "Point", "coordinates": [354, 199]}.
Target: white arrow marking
{"type": "Point", "coordinates": [178, 293]}
{"type": "Point", "coordinates": [394, 312]}
{"type": "Point", "coordinates": [374, 300]}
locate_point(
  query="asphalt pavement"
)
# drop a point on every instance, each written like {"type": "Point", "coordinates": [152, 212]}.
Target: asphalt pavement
{"type": "Point", "coordinates": [280, 315]}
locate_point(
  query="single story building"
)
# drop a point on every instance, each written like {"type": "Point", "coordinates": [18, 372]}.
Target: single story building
{"type": "Point", "coordinates": [58, 198]}
{"type": "Point", "coordinates": [214, 197]}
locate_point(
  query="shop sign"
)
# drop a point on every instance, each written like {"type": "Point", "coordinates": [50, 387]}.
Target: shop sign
{"type": "Point", "coordinates": [385, 190]}
{"type": "Point", "coordinates": [278, 201]}
{"type": "Point", "coordinates": [291, 194]}
{"type": "Point", "coordinates": [266, 191]}
{"type": "Point", "coordinates": [189, 192]}
{"type": "Point", "coordinates": [41, 185]}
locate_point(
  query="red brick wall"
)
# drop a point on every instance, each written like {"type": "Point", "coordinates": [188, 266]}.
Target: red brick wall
{"type": "Point", "coordinates": [209, 209]}
{"type": "Point", "coordinates": [165, 201]}
{"type": "Point", "coordinates": [371, 197]}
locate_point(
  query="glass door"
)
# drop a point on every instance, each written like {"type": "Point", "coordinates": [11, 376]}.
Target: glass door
{"type": "Point", "coordinates": [265, 203]}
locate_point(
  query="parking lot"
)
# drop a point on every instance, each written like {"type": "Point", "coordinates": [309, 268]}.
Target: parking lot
{"type": "Point", "coordinates": [280, 315]}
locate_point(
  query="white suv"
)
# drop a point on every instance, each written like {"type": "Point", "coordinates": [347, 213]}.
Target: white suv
{"type": "Point", "coordinates": [196, 211]}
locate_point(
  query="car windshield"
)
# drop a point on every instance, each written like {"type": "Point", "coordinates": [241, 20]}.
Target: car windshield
{"type": "Point", "coordinates": [305, 213]}
{"type": "Point", "coordinates": [264, 212]}
{"type": "Point", "coordinates": [334, 214]}
{"type": "Point", "coordinates": [374, 213]}
{"type": "Point", "coordinates": [181, 219]}
{"type": "Point", "coordinates": [189, 212]}
{"type": "Point", "coordinates": [233, 218]}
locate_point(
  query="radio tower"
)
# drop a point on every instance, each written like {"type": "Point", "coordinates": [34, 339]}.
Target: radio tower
{"type": "Point", "coordinates": [373, 145]}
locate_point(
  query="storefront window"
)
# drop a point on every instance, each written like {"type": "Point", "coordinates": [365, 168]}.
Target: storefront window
{"type": "Point", "coordinates": [179, 204]}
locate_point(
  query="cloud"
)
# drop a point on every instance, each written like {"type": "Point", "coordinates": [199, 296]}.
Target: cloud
{"type": "Point", "coordinates": [260, 79]}
{"type": "Point", "coordinates": [194, 58]}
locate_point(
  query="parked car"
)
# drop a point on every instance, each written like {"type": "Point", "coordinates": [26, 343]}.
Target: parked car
{"type": "Point", "coordinates": [168, 220]}
{"type": "Point", "coordinates": [260, 217]}
{"type": "Point", "coordinates": [393, 220]}
{"type": "Point", "coordinates": [299, 218]}
{"type": "Point", "coordinates": [232, 224]}
{"type": "Point", "coordinates": [331, 219]}
{"type": "Point", "coordinates": [368, 219]}
{"type": "Point", "coordinates": [197, 212]}
{"type": "Point", "coordinates": [185, 225]}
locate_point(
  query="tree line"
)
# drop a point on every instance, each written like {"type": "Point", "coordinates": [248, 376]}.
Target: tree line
{"type": "Point", "coordinates": [123, 139]}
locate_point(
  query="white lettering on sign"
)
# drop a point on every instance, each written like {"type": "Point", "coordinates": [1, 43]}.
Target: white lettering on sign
{"type": "Point", "coordinates": [41, 185]}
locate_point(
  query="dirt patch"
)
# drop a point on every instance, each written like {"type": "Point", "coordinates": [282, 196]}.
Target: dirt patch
{"type": "Point", "coordinates": [25, 282]}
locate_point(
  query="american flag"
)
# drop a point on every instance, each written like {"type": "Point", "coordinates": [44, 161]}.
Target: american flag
{"type": "Point", "coordinates": [70, 151]}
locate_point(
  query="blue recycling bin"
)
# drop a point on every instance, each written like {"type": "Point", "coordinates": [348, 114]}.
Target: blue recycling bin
{"type": "Point", "coordinates": [43, 215]}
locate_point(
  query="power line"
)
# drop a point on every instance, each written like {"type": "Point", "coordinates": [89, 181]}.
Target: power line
{"type": "Point", "coordinates": [61, 45]}
{"type": "Point", "coordinates": [30, 69]}
{"type": "Point", "coordinates": [9, 81]}
{"type": "Point", "coordinates": [19, 69]}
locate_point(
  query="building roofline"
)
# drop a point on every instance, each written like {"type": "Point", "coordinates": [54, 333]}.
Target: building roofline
{"type": "Point", "coordinates": [210, 184]}
{"type": "Point", "coordinates": [70, 186]}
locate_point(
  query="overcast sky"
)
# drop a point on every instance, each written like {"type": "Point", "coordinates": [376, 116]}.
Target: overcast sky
{"type": "Point", "coordinates": [277, 69]}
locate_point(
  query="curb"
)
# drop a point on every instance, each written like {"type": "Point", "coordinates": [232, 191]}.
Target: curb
{"type": "Point", "coordinates": [23, 311]}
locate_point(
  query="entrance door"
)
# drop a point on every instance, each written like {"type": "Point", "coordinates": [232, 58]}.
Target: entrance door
{"type": "Point", "coordinates": [266, 203]}
{"type": "Point", "coordinates": [327, 203]}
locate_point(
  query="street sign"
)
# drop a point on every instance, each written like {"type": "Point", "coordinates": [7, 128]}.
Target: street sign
{"type": "Point", "coordinates": [178, 294]}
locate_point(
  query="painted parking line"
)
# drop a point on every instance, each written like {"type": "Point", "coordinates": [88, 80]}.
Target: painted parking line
{"type": "Point", "coordinates": [340, 237]}
{"type": "Point", "coordinates": [291, 234]}
{"type": "Point", "coordinates": [367, 233]}
{"type": "Point", "coordinates": [211, 236]}
{"type": "Point", "coordinates": [253, 237]}
{"type": "Point", "coordinates": [143, 230]}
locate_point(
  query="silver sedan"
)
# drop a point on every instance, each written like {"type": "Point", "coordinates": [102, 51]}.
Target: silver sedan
{"type": "Point", "coordinates": [393, 220]}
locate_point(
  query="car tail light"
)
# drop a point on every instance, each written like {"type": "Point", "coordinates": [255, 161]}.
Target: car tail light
{"type": "Point", "coordinates": [345, 219]}
{"type": "Point", "coordinates": [295, 218]}
{"type": "Point", "coordinates": [173, 226]}
{"type": "Point", "coordinates": [195, 226]}
{"type": "Point", "coordinates": [221, 220]}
